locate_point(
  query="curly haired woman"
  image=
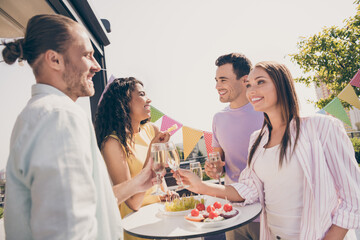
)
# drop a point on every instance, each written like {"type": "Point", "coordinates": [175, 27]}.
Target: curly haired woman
{"type": "Point", "coordinates": [124, 135]}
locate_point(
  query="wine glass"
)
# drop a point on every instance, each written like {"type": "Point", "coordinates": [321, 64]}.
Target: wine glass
{"type": "Point", "coordinates": [215, 160]}
{"type": "Point", "coordinates": [158, 156]}
{"type": "Point", "coordinates": [173, 160]}
{"type": "Point", "coordinates": [195, 167]}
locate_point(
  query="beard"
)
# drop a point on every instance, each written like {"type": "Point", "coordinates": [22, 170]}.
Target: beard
{"type": "Point", "coordinates": [76, 81]}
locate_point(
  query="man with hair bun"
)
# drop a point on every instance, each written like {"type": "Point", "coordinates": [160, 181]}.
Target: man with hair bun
{"type": "Point", "coordinates": [57, 185]}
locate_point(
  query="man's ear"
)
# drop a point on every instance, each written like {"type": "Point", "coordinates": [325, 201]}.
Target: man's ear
{"type": "Point", "coordinates": [244, 78]}
{"type": "Point", "coordinates": [54, 60]}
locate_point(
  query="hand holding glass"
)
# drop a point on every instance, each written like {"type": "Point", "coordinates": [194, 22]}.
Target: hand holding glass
{"type": "Point", "coordinates": [215, 160]}
{"type": "Point", "coordinates": [173, 161]}
{"type": "Point", "coordinates": [195, 167]}
{"type": "Point", "coordinates": [158, 156]}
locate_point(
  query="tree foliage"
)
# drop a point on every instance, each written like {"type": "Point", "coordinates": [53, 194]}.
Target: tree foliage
{"type": "Point", "coordinates": [331, 56]}
{"type": "Point", "coordinates": [356, 144]}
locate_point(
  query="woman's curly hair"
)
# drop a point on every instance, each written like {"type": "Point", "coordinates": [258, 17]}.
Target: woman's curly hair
{"type": "Point", "coordinates": [113, 113]}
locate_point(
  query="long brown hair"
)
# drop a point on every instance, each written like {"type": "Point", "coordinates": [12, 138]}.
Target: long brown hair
{"type": "Point", "coordinates": [287, 99]}
{"type": "Point", "coordinates": [113, 113]}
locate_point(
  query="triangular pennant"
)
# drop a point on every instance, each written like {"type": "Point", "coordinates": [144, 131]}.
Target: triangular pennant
{"type": "Point", "coordinates": [168, 123]}
{"type": "Point", "coordinates": [155, 114]}
{"type": "Point", "coordinates": [208, 141]}
{"type": "Point", "coordinates": [336, 109]}
{"type": "Point", "coordinates": [355, 81]}
{"type": "Point", "coordinates": [190, 139]}
{"type": "Point", "coordinates": [111, 79]}
{"type": "Point", "coordinates": [321, 111]}
{"type": "Point", "coordinates": [348, 95]}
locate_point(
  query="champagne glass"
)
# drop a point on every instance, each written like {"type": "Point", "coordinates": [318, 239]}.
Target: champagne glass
{"type": "Point", "coordinates": [195, 167]}
{"type": "Point", "coordinates": [158, 156]}
{"type": "Point", "coordinates": [173, 161]}
{"type": "Point", "coordinates": [215, 160]}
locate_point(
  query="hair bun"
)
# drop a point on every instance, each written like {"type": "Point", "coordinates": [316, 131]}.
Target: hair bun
{"type": "Point", "coordinates": [13, 51]}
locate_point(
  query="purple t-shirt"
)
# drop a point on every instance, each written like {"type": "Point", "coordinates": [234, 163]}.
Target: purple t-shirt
{"type": "Point", "coordinates": [231, 131]}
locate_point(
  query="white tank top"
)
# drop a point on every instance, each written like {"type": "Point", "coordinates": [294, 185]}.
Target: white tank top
{"type": "Point", "coordinates": [283, 190]}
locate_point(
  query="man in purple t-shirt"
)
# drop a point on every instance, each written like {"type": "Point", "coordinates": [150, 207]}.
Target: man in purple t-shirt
{"type": "Point", "coordinates": [233, 126]}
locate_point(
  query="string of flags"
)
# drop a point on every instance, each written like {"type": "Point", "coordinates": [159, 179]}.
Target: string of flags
{"type": "Point", "coordinates": [191, 136]}
{"type": "Point", "coordinates": [348, 95]}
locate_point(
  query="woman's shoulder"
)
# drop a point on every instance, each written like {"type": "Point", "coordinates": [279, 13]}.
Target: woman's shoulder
{"type": "Point", "coordinates": [110, 139]}
{"type": "Point", "coordinates": [254, 135]}
{"type": "Point", "coordinates": [111, 142]}
{"type": "Point", "coordinates": [319, 121]}
{"type": "Point", "coordinates": [321, 125]}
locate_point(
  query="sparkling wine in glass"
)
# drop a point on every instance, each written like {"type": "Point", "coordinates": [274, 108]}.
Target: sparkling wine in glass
{"type": "Point", "coordinates": [215, 160]}
{"type": "Point", "coordinates": [195, 167]}
{"type": "Point", "coordinates": [173, 160]}
{"type": "Point", "coordinates": [158, 156]}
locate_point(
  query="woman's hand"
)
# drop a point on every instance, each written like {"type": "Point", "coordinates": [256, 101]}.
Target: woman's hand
{"type": "Point", "coordinates": [335, 233]}
{"type": "Point", "coordinates": [190, 179]}
{"type": "Point", "coordinates": [161, 137]}
{"type": "Point", "coordinates": [211, 169]}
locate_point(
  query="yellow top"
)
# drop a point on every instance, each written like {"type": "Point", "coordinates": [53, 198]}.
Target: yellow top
{"type": "Point", "coordinates": [136, 160]}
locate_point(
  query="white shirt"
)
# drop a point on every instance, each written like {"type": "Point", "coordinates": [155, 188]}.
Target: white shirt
{"type": "Point", "coordinates": [332, 178]}
{"type": "Point", "coordinates": [283, 190]}
{"type": "Point", "coordinates": [57, 185]}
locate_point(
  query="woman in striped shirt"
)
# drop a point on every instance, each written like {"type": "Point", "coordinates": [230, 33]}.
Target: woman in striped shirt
{"type": "Point", "coordinates": [301, 169]}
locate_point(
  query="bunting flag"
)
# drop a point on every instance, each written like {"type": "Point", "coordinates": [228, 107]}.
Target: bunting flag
{"type": "Point", "coordinates": [321, 111]}
{"type": "Point", "coordinates": [348, 95]}
{"type": "Point", "coordinates": [190, 139]}
{"type": "Point", "coordinates": [155, 114]}
{"type": "Point", "coordinates": [111, 79]}
{"type": "Point", "coordinates": [167, 123]}
{"type": "Point", "coordinates": [336, 108]}
{"type": "Point", "coordinates": [355, 81]}
{"type": "Point", "coordinates": [208, 141]}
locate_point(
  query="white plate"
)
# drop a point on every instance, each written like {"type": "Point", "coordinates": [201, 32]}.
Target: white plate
{"type": "Point", "coordinates": [214, 224]}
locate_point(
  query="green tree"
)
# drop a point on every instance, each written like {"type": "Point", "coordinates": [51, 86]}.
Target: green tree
{"type": "Point", "coordinates": [356, 144]}
{"type": "Point", "coordinates": [331, 56]}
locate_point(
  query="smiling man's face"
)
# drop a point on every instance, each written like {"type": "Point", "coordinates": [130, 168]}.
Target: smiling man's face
{"type": "Point", "coordinates": [80, 65]}
{"type": "Point", "coordinates": [228, 87]}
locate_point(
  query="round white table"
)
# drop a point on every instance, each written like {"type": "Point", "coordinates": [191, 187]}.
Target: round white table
{"type": "Point", "coordinates": [150, 222]}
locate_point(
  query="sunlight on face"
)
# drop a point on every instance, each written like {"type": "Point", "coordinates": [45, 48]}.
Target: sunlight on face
{"type": "Point", "coordinates": [261, 91]}
{"type": "Point", "coordinates": [228, 87]}
{"type": "Point", "coordinates": [80, 65]}
{"type": "Point", "coordinates": [139, 104]}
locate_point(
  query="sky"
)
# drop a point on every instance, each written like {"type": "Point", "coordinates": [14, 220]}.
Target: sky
{"type": "Point", "coordinates": [171, 46]}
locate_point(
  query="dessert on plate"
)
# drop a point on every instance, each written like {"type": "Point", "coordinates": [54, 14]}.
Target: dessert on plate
{"type": "Point", "coordinates": [212, 213]}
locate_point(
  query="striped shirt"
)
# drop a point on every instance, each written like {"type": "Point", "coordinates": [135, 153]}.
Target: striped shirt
{"type": "Point", "coordinates": [331, 177]}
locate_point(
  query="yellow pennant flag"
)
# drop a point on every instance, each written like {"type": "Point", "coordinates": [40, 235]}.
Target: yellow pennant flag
{"type": "Point", "coordinates": [190, 139]}
{"type": "Point", "coordinates": [348, 95]}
